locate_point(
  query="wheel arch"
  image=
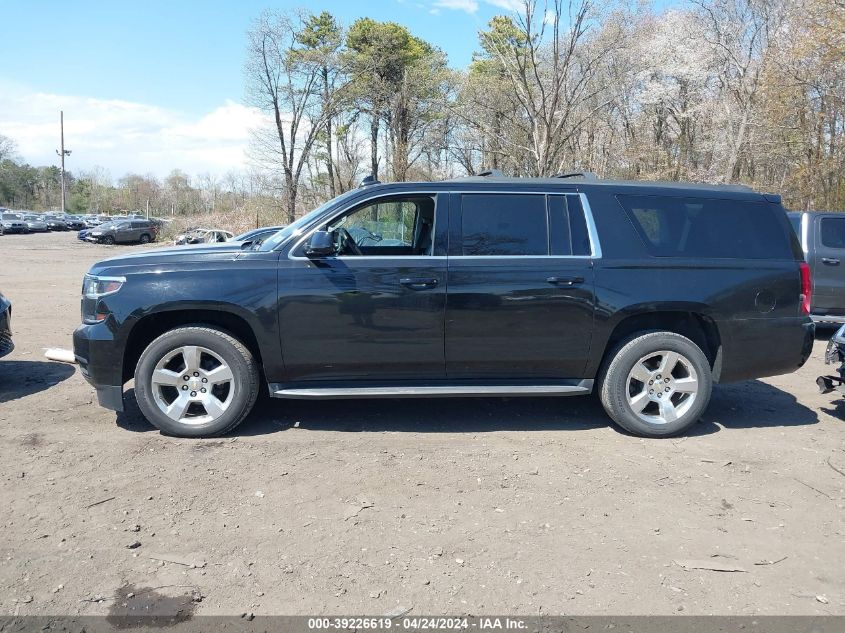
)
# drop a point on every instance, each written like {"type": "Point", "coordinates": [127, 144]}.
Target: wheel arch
{"type": "Point", "coordinates": [151, 326]}
{"type": "Point", "coordinates": [691, 321]}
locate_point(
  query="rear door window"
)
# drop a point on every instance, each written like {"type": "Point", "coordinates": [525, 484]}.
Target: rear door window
{"type": "Point", "coordinates": [833, 232]}
{"type": "Point", "coordinates": [504, 224]}
{"type": "Point", "coordinates": [709, 228]}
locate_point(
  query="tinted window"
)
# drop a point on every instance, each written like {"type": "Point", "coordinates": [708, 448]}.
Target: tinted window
{"type": "Point", "coordinates": [504, 224]}
{"type": "Point", "coordinates": [703, 227]}
{"type": "Point", "coordinates": [578, 226]}
{"type": "Point", "coordinates": [795, 221]}
{"type": "Point", "coordinates": [560, 237]}
{"type": "Point", "coordinates": [833, 232]}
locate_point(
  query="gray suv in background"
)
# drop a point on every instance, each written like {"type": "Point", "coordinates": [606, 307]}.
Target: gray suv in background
{"type": "Point", "coordinates": [822, 236]}
{"type": "Point", "coordinates": [124, 232]}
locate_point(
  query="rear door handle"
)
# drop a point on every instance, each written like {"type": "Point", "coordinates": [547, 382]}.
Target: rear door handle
{"type": "Point", "coordinates": [418, 283]}
{"type": "Point", "coordinates": [565, 281]}
{"type": "Point", "coordinates": [832, 261]}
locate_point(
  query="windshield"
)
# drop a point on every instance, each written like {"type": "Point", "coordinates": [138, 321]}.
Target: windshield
{"type": "Point", "coordinates": [11, 216]}
{"type": "Point", "coordinates": [296, 227]}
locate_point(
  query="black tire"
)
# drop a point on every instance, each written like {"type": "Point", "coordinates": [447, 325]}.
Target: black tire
{"type": "Point", "coordinates": [239, 359]}
{"type": "Point", "coordinates": [615, 388]}
{"type": "Point", "coordinates": [108, 240]}
{"type": "Point", "coordinates": [145, 238]}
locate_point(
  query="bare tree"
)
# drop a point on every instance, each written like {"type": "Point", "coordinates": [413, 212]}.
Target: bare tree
{"type": "Point", "coordinates": [286, 87]}
{"type": "Point", "coordinates": [549, 57]}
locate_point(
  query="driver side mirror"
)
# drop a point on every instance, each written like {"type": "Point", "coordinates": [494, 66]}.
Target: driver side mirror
{"type": "Point", "coordinates": [321, 245]}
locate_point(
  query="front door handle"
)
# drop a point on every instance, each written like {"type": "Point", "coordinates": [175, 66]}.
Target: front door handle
{"type": "Point", "coordinates": [831, 261]}
{"type": "Point", "coordinates": [565, 281]}
{"type": "Point", "coordinates": [418, 284]}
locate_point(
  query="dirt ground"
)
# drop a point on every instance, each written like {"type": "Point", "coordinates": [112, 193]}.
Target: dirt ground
{"type": "Point", "coordinates": [468, 506]}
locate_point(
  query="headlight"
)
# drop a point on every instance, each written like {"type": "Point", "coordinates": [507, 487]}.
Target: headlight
{"type": "Point", "coordinates": [94, 287]}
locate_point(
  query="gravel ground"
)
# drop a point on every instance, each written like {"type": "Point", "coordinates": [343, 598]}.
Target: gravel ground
{"type": "Point", "coordinates": [523, 506]}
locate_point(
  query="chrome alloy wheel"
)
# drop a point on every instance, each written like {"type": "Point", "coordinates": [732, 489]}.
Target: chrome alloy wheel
{"type": "Point", "coordinates": [662, 387]}
{"type": "Point", "coordinates": [192, 385]}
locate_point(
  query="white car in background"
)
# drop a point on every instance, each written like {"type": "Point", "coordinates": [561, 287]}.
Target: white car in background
{"type": "Point", "coordinates": [202, 236]}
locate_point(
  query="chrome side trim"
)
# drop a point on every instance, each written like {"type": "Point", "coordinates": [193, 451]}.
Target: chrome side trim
{"type": "Point", "coordinates": [592, 232]}
{"type": "Point", "coordinates": [582, 387]}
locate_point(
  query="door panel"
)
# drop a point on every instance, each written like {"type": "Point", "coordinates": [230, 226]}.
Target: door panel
{"type": "Point", "coordinates": [506, 318]}
{"type": "Point", "coordinates": [368, 317]}
{"type": "Point", "coordinates": [829, 264]}
{"type": "Point", "coordinates": [517, 316]}
{"type": "Point", "coordinates": [345, 318]}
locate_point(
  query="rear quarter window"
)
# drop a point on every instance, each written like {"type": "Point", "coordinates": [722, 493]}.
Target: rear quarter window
{"type": "Point", "coordinates": [709, 227]}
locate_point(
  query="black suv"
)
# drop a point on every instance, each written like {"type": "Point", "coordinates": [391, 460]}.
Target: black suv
{"type": "Point", "coordinates": [480, 286]}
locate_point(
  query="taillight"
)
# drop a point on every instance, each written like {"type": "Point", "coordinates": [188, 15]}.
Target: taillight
{"type": "Point", "coordinates": [806, 287]}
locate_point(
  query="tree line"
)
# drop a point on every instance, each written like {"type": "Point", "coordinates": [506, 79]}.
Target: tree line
{"type": "Point", "coordinates": [747, 91]}
{"type": "Point", "coordinates": [744, 91]}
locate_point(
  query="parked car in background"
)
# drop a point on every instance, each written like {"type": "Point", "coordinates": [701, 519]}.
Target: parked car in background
{"type": "Point", "coordinates": [13, 222]}
{"type": "Point", "coordinates": [257, 235]}
{"type": "Point", "coordinates": [203, 236]}
{"type": "Point", "coordinates": [556, 286]}
{"type": "Point", "coordinates": [54, 223]}
{"type": "Point", "coordinates": [822, 237]}
{"type": "Point", "coordinates": [6, 345]}
{"type": "Point", "coordinates": [97, 220]}
{"type": "Point", "coordinates": [35, 224]}
{"type": "Point", "coordinates": [83, 234]}
{"type": "Point", "coordinates": [74, 222]}
{"type": "Point", "coordinates": [124, 232]}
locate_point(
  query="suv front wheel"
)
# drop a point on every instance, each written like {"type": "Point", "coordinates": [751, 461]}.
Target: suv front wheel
{"type": "Point", "coordinates": [196, 382]}
{"type": "Point", "coordinates": [656, 384]}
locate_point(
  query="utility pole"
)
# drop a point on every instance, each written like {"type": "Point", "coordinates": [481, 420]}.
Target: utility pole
{"type": "Point", "coordinates": [64, 152]}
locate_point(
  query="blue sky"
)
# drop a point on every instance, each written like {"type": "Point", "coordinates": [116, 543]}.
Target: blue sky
{"type": "Point", "coordinates": [152, 85]}
{"type": "Point", "coordinates": [184, 54]}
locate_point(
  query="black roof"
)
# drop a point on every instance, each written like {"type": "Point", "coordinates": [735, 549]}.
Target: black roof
{"type": "Point", "coordinates": [583, 183]}
{"type": "Point", "coordinates": [600, 182]}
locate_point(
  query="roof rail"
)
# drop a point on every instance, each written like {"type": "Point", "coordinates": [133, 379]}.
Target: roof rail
{"type": "Point", "coordinates": [495, 173]}
{"type": "Point", "coordinates": [369, 180]}
{"type": "Point", "coordinates": [587, 175]}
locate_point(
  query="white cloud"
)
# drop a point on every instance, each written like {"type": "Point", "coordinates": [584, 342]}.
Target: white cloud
{"type": "Point", "coordinates": [126, 136]}
{"type": "Point", "coordinates": [470, 6]}
{"type": "Point", "coordinates": [508, 5]}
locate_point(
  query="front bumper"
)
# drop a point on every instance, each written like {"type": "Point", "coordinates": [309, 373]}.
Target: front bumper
{"type": "Point", "coordinates": [100, 363]}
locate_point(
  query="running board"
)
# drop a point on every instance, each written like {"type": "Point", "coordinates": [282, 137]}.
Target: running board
{"type": "Point", "coordinates": [580, 387]}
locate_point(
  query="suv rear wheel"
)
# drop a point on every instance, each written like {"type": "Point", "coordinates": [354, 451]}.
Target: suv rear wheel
{"type": "Point", "coordinates": [196, 382]}
{"type": "Point", "coordinates": [145, 238]}
{"type": "Point", "coordinates": [656, 384]}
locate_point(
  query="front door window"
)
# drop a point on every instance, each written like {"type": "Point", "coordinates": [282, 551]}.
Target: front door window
{"type": "Point", "coordinates": [391, 227]}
